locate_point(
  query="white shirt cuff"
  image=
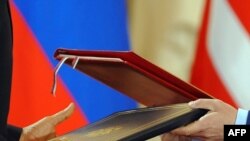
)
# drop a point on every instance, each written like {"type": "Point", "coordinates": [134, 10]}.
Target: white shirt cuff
{"type": "Point", "coordinates": [241, 118]}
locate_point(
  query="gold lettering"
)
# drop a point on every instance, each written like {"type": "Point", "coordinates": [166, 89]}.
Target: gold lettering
{"type": "Point", "coordinates": [101, 132]}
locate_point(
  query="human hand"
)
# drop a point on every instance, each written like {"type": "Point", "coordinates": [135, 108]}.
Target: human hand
{"type": "Point", "coordinates": [210, 126]}
{"type": "Point", "coordinates": [44, 129]}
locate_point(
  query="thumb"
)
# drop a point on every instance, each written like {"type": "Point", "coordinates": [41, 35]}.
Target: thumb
{"type": "Point", "coordinates": [63, 115]}
{"type": "Point", "coordinates": [209, 104]}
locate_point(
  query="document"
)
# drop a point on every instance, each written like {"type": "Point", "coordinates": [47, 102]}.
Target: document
{"type": "Point", "coordinates": [136, 125]}
{"type": "Point", "coordinates": [131, 75]}
{"type": "Point", "coordinates": [163, 94]}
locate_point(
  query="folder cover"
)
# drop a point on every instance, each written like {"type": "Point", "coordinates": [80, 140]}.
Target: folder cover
{"type": "Point", "coordinates": [135, 125]}
{"type": "Point", "coordinates": [144, 82]}
{"type": "Point", "coordinates": [132, 75]}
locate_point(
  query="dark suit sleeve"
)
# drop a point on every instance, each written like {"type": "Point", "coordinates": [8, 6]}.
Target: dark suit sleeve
{"type": "Point", "coordinates": [248, 118]}
{"type": "Point", "coordinates": [7, 133]}
{"type": "Point", "coordinates": [13, 133]}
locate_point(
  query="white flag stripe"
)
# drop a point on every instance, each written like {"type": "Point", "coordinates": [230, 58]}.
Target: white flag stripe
{"type": "Point", "coordinates": [229, 48]}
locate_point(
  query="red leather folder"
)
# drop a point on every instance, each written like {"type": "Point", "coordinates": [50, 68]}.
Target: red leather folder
{"type": "Point", "coordinates": [132, 75]}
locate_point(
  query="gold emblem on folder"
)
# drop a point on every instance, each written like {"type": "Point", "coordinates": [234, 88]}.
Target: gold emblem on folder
{"type": "Point", "coordinates": [61, 139]}
{"type": "Point", "coordinates": [101, 132]}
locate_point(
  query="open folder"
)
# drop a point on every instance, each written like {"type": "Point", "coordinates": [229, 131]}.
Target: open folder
{"type": "Point", "coordinates": [144, 82]}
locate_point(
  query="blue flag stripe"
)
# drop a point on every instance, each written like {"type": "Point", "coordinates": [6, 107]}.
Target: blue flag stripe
{"type": "Point", "coordinates": [82, 24]}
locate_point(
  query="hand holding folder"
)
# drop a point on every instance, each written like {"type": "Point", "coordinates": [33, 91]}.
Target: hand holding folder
{"type": "Point", "coordinates": [139, 79]}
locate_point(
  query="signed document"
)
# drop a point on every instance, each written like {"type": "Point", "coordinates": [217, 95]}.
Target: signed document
{"type": "Point", "coordinates": [135, 125]}
{"type": "Point", "coordinates": [135, 77]}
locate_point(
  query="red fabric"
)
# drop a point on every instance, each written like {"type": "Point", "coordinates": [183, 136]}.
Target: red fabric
{"type": "Point", "coordinates": [41, 103]}
{"type": "Point", "coordinates": [241, 9]}
{"type": "Point", "coordinates": [204, 75]}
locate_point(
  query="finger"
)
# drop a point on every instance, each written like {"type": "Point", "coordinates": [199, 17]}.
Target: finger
{"type": "Point", "coordinates": [209, 104]}
{"type": "Point", "coordinates": [169, 137]}
{"type": "Point", "coordinates": [189, 130]}
{"type": "Point", "coordinates": [62, 115]}
{"type": "Point", "coordinates": [172, 137]}
{"type": "Point", "coordinates": [51, 136]}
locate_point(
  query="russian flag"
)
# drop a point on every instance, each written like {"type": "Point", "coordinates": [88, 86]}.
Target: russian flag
{"type": "Point", "coordinates": [42, 26]}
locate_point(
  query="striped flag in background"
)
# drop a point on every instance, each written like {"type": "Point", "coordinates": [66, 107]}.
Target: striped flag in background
{"type": "Point", "coordinates": [222, 63]}
{"type": "Point", "coordinates": [40, 27]}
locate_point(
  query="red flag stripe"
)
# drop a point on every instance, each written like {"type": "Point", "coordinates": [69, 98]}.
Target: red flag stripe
{"type": "Point", "coordinates": [241, 9]}
{"type": "Point", "coordinates": [204, 74]}
{"type": "Point", "coordinates": [31, 66]}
